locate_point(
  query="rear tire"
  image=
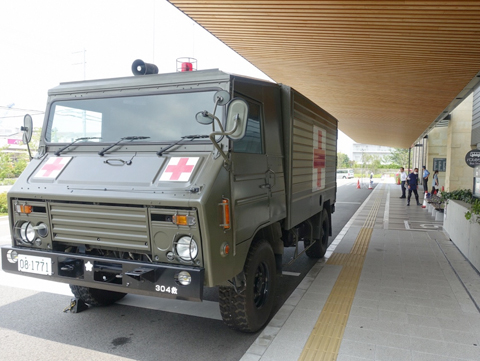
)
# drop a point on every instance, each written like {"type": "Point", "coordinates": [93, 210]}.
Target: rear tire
{"type": "Point", "coordinates": [96, 297]}
{"type": "Point", "coordinates": [249, 310]}
{"type": "Point", "coordinates": [319, 248]}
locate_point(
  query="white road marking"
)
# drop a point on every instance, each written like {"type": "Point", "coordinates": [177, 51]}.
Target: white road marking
{"type": "Point", "coordinates": [387, 210]}
{"type": "Point", "coordinates": [407, 226]}
{"type": "Point", "coordinates": [286, 273]}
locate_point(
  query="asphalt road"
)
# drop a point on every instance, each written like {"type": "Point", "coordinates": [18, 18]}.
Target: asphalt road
{"type": "Point", "coordinates": [33, 325]}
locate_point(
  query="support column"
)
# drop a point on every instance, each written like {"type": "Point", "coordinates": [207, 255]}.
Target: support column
{"type": "Point", "coordinates": [437, 148]}
{"type": "Point", "coordinates": [459, 135]}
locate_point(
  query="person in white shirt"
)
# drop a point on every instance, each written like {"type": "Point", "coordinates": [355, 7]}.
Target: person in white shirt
{"type": "Point", "coordinates": [403, 179]}
{"type": "Point", "coordinates": [435, 185]}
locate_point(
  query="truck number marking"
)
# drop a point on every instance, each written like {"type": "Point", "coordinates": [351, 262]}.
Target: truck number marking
{"type": "Point", "coordinates": [163, 289]}
{"type": "Point", "coordinates": [35, 264]}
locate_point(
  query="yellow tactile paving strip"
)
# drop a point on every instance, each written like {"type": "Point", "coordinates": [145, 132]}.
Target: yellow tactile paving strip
{"type": "Point", "coordinates": [326, 337]}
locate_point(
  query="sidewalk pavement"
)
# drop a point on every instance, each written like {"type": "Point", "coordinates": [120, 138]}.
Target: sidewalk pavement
{"type": "Point", "coordinates": [391, 287]}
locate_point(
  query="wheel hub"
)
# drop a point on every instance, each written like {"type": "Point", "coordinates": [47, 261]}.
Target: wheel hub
{"type": "Point", "coordinates": [261, 285]}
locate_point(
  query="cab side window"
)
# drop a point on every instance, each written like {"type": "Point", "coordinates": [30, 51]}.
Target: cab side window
{"type": "Point", "coordinates": [252, 142]}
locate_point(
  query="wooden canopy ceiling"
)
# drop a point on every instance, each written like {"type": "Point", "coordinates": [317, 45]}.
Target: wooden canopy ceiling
{"type": "Point", "coordinates": [385, 69]}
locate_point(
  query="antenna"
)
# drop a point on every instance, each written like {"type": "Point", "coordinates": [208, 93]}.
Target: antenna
{"type": "Point", "coordinates": [153, 36]}
{"type": "Point", "coordinates": [84, 62]}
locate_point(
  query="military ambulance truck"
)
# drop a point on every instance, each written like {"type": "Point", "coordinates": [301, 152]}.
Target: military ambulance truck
{"type": "Point", "coordinates": [164, 184]}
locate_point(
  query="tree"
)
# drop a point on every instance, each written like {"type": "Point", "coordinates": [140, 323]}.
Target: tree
{"type": "Point", "coordinates": [343, 161]}
{"type": "Point", "coordinates": [13, 164]}
{"type": "Point", "coordinates": [6, 166]}
{"type": "Point", "coordinates": [399, 156]}
{"type": "Point", "coordinates": [37, 132]}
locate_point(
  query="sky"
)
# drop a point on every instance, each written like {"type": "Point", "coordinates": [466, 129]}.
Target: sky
{"type": "Point", "coordinates": [44, 43]}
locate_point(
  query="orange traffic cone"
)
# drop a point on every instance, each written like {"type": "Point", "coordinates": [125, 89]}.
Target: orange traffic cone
{"type": "Point", "coordinates": [358, 184]}
{"type": "Point", "coordinates": [424, 205]}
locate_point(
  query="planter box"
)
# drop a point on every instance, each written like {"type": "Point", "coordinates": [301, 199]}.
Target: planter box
{"type": "Point", "coordinates": [465, 234]}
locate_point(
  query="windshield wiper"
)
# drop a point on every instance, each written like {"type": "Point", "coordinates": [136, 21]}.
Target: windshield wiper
{"type": "Point", "coordinates": [131, 138]}
{"type": "Point", "coordinates": [191, 137]}
{"type": "Point", "coordinates": [57, 153]}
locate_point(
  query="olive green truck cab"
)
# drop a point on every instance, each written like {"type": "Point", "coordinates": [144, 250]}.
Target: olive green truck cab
{"type": "Point", "coordinates": [163, 184]}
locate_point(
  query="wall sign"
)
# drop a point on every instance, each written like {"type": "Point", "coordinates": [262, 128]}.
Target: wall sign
{"type": "Point", "coordinates": [473, 158]}
{"type": "Point", "coordinates": [440, 164]}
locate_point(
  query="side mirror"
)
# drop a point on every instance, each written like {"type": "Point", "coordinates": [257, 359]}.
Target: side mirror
{"type": "Point", "coordinates": [27, 128]}
{"type": "Point", "coordinates": [237, 117]}
{"type": "Point", "coordinates": [204, 118]}
{"type": "Point", "coordinates": [221, 97]}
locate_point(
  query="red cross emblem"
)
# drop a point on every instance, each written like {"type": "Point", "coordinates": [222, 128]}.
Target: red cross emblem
{"type": "Point", "coordinates": [52, 167]}
{"type": "Point", "coordinates": [179, 169]}
{"type": "Point", "coordinates": [319, 158]}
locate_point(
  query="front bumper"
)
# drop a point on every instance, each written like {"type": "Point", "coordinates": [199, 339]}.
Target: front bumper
{"type": "Point", "coordinates": [158, 280]}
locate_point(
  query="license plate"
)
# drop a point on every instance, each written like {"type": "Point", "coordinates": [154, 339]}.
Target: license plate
{"type": "Point", "coordinates": [34, 264]}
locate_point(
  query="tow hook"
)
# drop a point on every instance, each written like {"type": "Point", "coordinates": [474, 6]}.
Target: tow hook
{"type": "Point", "coordinates": [143, 273]}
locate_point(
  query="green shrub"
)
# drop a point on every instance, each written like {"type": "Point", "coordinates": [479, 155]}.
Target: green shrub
{"type": "Point", "coordinates": [3, 202]}
{"type": "Point", "coordinates": [466, 196]}
{"type": "Point", "coordinates": [8, 181]}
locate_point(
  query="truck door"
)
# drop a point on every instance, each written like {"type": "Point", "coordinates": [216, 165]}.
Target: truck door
{"type": "Point", "coordinates": [250, 178]}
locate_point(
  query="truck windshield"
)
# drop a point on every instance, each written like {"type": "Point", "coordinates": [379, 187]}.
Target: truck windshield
{"type": "Point", "coordinates": [163, 117]}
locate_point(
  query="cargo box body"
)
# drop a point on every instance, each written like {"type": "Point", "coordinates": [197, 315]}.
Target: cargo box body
{"type": "Point", "coordinates": [310, 135]}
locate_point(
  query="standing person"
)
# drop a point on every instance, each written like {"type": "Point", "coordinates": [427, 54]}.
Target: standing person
{"type": "Point", "coordinates": [435, 184]}
{"type": "Point", "coordinates": [403, 179]}
{"type": "Point", "coordinates": [425, 176]}
{"type": "Point", "coordinates": [412, 181]}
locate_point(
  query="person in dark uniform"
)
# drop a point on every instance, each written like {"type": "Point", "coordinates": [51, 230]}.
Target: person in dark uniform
{"type": "Point", "coordinates": [412, 181]}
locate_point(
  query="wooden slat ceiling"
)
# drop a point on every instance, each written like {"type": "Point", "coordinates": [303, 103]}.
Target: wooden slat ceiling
{"type": "Point", "coordinates": [385, 69]}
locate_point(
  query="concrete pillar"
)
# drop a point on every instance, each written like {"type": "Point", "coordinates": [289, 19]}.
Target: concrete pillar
{"type": "Point", "coordinates": [459, 135]}
{"type": "Point", "coordinates": [437, 148]}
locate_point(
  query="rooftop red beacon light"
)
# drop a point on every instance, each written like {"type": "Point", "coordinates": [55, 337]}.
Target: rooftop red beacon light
{"type": "Point", "coordinates": [186, 64]}
{"type": "Point", "coordinates": [187, 67]}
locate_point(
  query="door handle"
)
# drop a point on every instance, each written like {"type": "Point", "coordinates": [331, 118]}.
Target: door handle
{"type": "Point", "coordinates": [267, 177]}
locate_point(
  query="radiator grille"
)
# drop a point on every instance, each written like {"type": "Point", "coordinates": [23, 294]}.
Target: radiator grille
{"type": "Point", "coordinates": [100, 226]}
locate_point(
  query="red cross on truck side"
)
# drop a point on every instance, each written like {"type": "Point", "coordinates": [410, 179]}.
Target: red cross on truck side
{"type": "Point", "coordinates": [319, 157]}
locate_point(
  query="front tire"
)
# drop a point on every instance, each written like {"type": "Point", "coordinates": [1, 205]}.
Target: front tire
{"type": "Point", "coordinates": [96, 297]}
{"type": "Point", "coordinates": [319, 248]}
{"type": "Point", "coordinates": [249, 310]}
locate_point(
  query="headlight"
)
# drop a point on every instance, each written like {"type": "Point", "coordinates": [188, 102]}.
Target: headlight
{"type": "Point", "coordinates": [186, 248]}
{"type": "Point", "coordinates": [184, 278]}
{"type": "Point", "coordinates": [27, 233]}
{"type": "Point", "coordinates": [42, 230]}
{"type": "Point", "coordinates": [12, 256]}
